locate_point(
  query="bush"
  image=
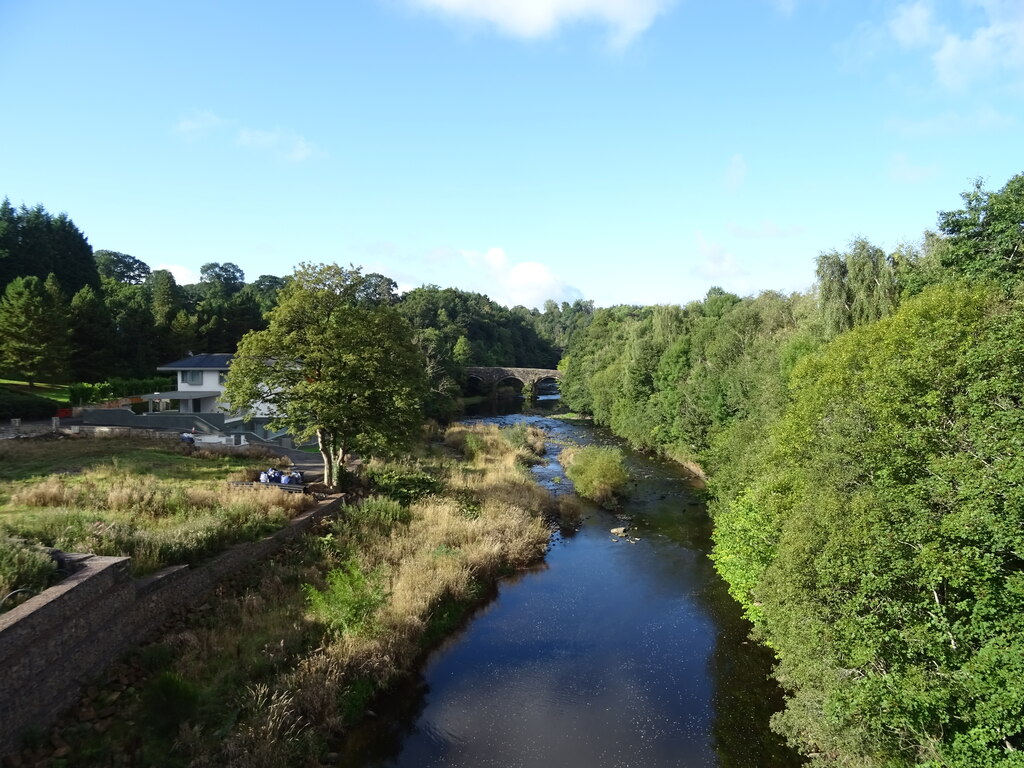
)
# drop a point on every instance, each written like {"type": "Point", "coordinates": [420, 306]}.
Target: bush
{"type": "Point", "coordinates": [597, 472]}
{"type": "Point", "coordinates": [348, 603]}
{"type": "Point", "coordinates": [525, 437]}
{"type": "Point", "coordinates": [23, 566]}
{"type": "Point", "coordinates": [169, 701]}
{"type": "Point", "coordinates": [20, 405]}
{"type": "Point", "coordinates": [403, 485]}
{"type": "Point", "coordinates": [383, 514]}
{"type": "Point", "coordinates": [85, 394]}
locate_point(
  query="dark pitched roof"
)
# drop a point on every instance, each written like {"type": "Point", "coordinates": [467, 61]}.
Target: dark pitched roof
{"type": "Point", "coordinates": [217, 362]}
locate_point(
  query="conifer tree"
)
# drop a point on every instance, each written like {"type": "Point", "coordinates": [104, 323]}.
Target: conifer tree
{"type": "Point", "coordinates": [33, 343]}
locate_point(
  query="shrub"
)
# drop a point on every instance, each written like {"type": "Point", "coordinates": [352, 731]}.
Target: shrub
{"type": "Point", "coordinates": [597, 472]}
{"type": "Point", "coordinates": [525, 437]}
{"type": "Point", "coordinates": [23, 566]}
{"type": "Point", "coordinates": [401, 484]}
{"type": "Point", "coordinates": [21, 405]}
{"type": "Point", "coordinates": [383, 514]}
{"type": "Point", "coordinates": [348, 603]}
{"type": "Point", "coordinates": [85, 394]}
{"type": "Point", "coordinates": [169, 701]}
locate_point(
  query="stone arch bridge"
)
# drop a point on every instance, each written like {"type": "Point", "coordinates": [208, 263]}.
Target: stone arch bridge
{"type": "Point", "coordinates": [490, 378]}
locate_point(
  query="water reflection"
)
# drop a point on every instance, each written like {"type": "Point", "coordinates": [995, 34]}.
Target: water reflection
{"type": "Point", "coordinates": [613, 654]}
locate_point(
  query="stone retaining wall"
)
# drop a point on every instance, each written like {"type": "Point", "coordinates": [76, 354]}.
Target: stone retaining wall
{"type": "Point", "coordinates": [56, 643]}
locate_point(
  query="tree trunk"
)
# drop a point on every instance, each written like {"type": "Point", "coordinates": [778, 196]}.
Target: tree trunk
{"type": "Point", "coordinates": [334, 458]}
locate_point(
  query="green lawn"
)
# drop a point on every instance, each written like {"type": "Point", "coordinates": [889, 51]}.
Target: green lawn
{"type": "Point", "coordinates": [57, 392]}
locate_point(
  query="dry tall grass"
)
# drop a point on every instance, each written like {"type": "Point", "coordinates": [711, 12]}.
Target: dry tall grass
{"type": "Point", "coordinates": [490, 521]}
{"type": "Point", "coordinates": [295, 681]}
{"type": "Point", "coordinates": [154, 520]}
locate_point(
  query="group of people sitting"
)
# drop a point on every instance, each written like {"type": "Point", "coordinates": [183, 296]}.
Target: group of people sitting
{"type": "Point", "coordinates": [272, 475]}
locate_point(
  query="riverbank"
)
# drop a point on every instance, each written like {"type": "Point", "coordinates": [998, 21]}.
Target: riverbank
{"type": "Point", "coordinates": [279, 665]}
{"type": "Point", "coordinates": [613, 651]}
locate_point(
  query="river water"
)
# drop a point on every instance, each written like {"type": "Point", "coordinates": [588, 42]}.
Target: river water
{"type": "Point", "coordinates": [612, 652]}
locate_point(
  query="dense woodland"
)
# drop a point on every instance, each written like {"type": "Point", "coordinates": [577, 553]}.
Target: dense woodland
{"type": "Point", "coordinates": [863, 445]}
{"type": "Point", "coordinates": [71, 314]}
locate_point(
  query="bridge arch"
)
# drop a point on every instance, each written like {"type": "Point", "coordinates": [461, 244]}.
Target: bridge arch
{"type": "Point", "coordinates": [491, 377]}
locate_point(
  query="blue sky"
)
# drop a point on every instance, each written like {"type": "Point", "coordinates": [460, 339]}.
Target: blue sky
{"type": "Point", "coordinates": [625, 151]}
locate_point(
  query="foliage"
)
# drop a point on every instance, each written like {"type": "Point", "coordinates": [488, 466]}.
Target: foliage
{"type": "Point", "coordinates": [121, 267]}
{"type": "Point", "coordinates": [90, 325]}
{"type": "Point", "coordinates": [402, 484]}
{"type": "Point", "coordinates": [84, 394]}
{"type": "Point", "coordinates": [15, 404]}
{"type": "Point", "coordinates": [880, 557]}
{"type": "Point", "coordinates": [36, 243]}
{"type": "Point", "coordinates": [473, 330]}
{"type": "Point", "coordinates": [986, 236]}
{"type": "Point", "coordinates": [597, 472]}
{"type": "Point", "coordinates": [23, 566]}
{"type": "Point", "coordinates": [336, 361]}
{"type": "Point", "coordinates": [350, 599]}
{"type": "Point", "coordinates": [33, 337]}
{"type": "Point", "coordinates": [856, 287]}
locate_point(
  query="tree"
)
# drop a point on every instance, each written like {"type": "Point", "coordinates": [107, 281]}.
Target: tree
{"type": "Point", "coordinates": [336, 361]}
{"type": "Point", "coordinates": [33, 340]}
{"type": "Point", "coordinates": [879, 549]}
{"type": "Point", "coordinates": [857, 287]}
{"type": "Point", "coordinates": [265, 290]}
{"type": "Point", "coordinates": [90, 332]}
{"type": "Point", "coordinates": [34, 242]}
{"type": "Point", "coordinates": [986, 237]}
{"type": "Point", "coordinates": [121, 267]}
{"type": "Point", "coordinates": [132, 342]}
{"type": "Point", "coordinates": [221, 280]}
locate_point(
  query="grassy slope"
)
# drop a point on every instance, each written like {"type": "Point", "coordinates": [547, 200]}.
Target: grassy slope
{"type": "Point", "coordinates": [56, 392]}
{"type": "Point", "coordinates": [148, 499]}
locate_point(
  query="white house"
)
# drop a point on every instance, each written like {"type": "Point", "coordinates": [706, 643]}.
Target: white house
{"type": "Point", "coordinates": [201, 381]}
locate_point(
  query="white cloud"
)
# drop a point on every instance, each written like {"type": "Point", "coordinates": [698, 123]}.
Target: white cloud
{"type": "Point", "coordinates": [766, 230]}
{"type": "Point", "coordinates": [258, 139]}
{"type": "Point", "coordinates": [285, 144]}
{"type": "Point", "coordinates": [717, 264]}
{"type": "Point", "coordinates": [182, 275]}
{"type": "Point", "coordinates": [785, 7]}
{"type": "Point", "coordinates": [963, 57]}
{"type": "Point", "coordinates": [913, 25]}
{"type": "Point", "coordinates": [736, 173]}
{"type": "Point", "coordinates": [539, 18]}
{"type": "Point", "coordinates": [902, 170]}
{"type": "Point", "coordinates": [528, 283]}
{"type": "Point", "coordinates": [198, 123]}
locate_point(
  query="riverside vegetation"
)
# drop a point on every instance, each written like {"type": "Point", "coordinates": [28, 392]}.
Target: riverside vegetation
{"type": "Point", "coordinates": [274, 669]}
{"type": "Point", "coordinates": [862, 444]}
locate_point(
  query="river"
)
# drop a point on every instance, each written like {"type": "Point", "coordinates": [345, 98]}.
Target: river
{"type": "Point", "coordinates": [612, 652]}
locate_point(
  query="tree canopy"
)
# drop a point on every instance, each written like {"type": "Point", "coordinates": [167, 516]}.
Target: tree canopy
{"type": "Point", "coordinates": [336, 361]}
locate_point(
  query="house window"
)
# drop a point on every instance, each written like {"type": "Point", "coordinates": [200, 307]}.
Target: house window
{"type": "Point", "coordinates": [191, 377]}
{"type": "Point", "coordinates": [222, 378]}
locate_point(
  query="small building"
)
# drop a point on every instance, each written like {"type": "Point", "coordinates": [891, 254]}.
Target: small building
{"type": "Point", "coordinates": [201, 380]}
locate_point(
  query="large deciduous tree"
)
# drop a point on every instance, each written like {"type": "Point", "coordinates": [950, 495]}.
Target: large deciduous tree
{"type": "Point", "coordinates": [338, 362]}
